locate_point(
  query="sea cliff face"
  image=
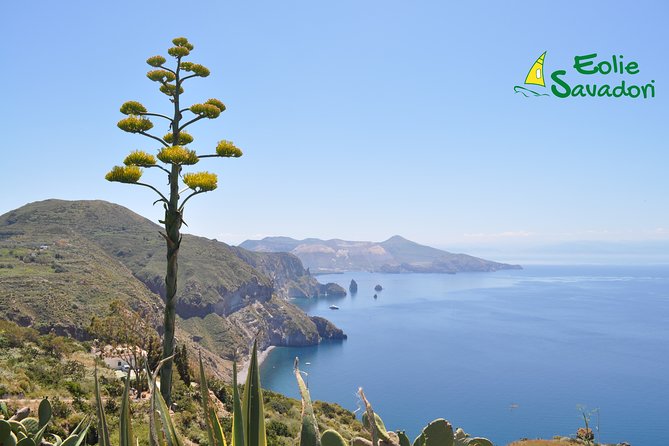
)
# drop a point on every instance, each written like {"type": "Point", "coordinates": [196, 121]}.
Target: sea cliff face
{"type": "Point", "coordinates": [288, 276]}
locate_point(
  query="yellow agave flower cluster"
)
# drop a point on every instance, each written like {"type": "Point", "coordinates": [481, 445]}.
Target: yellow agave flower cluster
{"type": "Point", "coordinates": [201, 181]}
{"type": "Point", "coordinates": [124, 174]}
{"type": "Point", "coordinates": [177, 153]}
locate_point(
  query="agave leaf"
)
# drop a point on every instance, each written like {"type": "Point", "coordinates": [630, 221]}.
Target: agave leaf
{"type": "Point", "coordinates": [204, 391]}
{"type": "Point", "coordinates": [57, 440]}
{"type": "Point", "coordinates": [168, 427]}
{"type": "Point", "coordinates": [125, 432]}
{"type": "Point", "coordinates": [153, 431]}
{"type": "Point", "coordinates": [103, 428]}
{"type": "Point", "coordinates": [71, 440]}
{"type": "Point", "coordinates": [159, 410]}
{"type": "Point", "coordinates": [3, 409]}
{"type": "Point", "coordinates": [38, 436]}
{"type": "Point", "coordinates": [218, 430]}
{"type": "Point", "coordinates": [214, 430]}
{"type": "Point", "coordinates": [238, 437]}
{"type": "Point", "coordinates": [79, 434]}
{"type": "Point", "coordinates": [309, 435]}
{"type": "Point", "coordinates": [252, 405]}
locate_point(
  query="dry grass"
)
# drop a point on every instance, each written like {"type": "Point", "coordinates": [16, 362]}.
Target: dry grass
{"type": "Point", "coordinates": [540, 443]}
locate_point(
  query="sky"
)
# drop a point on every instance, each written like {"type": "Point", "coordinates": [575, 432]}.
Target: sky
{"type": "Point", "coordinates": [358, 119]}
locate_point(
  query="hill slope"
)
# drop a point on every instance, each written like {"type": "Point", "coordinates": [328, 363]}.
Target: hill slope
{"type": "Point", "coordinates": [63, 261]}
{"type": "Point", "coordinates": [395, 255]}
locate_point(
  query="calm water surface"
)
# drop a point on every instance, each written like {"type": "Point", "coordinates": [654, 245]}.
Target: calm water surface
{"type": "Point", "coordinates": [504, 355]}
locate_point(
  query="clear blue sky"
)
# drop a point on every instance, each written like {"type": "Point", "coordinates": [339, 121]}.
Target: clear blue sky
{"type": "Point", "coordinates": [358, 119]}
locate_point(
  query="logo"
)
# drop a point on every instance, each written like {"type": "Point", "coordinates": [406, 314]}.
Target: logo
{"type": "Point", "coordinates": [534, 77]}
{"type": "Point", "coordinates": [608, 77]}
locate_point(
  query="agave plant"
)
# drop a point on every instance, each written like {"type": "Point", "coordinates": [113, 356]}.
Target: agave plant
{"type": "Point", "coordinates": [248, 420]}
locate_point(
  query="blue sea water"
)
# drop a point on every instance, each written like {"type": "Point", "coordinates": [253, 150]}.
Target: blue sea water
{"type": "Point", "coordinates": [504, 355]}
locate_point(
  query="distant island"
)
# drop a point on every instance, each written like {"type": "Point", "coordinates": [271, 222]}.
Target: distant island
{"type": "Point", "coordinates": [395, 255]}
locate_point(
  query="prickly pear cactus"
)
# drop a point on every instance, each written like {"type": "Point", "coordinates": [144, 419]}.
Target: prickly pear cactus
{"type": "Point", "coordinates": [332, 438]}
{"type": "Point", "coordinates": [438, 433]}
{"type": "Point", "coordinates": [403, 439]}
{"type": "Point", "coordinates": [44, 412]}
{"type": "Point", "coordinates": [32, 426]}
{"type": "Point", "coordinates": [463, 439]}
{"type": "Point", "coordinates": [380, 427]}
{"type": "Point", "coordinates": [7, 437]}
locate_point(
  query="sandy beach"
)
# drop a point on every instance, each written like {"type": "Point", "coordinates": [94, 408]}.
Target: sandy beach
{"type": "Point", "coordinates": [262, 355]}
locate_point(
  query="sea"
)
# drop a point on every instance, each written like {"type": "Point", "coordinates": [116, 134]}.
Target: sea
{"type": "Point", "coordinates": [505, 355]}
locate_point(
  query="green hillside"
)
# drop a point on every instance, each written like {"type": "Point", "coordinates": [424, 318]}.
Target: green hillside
{"type": "Point", "coordinates": [63, 261]}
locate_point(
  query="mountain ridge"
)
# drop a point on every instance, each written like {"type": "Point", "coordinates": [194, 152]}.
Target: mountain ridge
{"type": "Point", "coordinates": [394, 255]}
{"type": "Point", "coordinates": [63, 261]}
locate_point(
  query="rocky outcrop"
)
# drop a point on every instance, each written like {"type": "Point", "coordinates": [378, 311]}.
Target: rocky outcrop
{"type": "Point", "coordinates": [331, 289]}
{"type": "Point", "coordinates": [328, 330]}
{"type": "Point", "coordinates": [353, 287]}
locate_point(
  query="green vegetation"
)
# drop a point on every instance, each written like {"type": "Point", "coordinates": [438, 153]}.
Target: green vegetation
{"type": "Point", "coordinates": [33, 365]}
{"type": "Point", "coordinates": [63, 369]}
{"type": "Point", "coordinates": [112, 254]}
{"type": "Point", "coordinates": [174, 154]}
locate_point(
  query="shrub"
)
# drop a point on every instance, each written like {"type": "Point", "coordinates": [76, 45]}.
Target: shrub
{"type": "Point", "coordinates": [277, 429]}
{"type": "Point", "coordinates": [60, 409]}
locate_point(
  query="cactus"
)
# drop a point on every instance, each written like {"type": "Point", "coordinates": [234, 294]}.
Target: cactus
{"type": "Point", "coordinates": [7, 437]}
{"type": "Point", "coordinates": [29, 431]}
{"type": "Point", "coordinates": [438, 433]}
{"type": "Point", "coordinates": [332, 438]}
{"type": "Point", "coordinates": [32, 426]}
{"type": "Point", "coordinates": [379, 426]}
{"type": "Point", "coordinates": [463, 439]}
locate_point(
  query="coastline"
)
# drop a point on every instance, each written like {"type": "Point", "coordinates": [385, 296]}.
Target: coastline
{"type": "Point", "coordinates": [262, 355]}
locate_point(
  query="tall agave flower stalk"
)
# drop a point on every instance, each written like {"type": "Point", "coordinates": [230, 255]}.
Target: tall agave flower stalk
{"type": "Point", "coordinates": [174, 153]}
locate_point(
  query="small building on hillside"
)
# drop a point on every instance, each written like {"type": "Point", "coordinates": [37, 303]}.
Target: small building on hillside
{"type": "Point", "coordinates": [116, 363]}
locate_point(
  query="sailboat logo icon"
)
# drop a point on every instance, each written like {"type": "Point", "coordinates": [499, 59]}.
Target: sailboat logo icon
{"type": "Point", "coordinates": [534, 77]}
